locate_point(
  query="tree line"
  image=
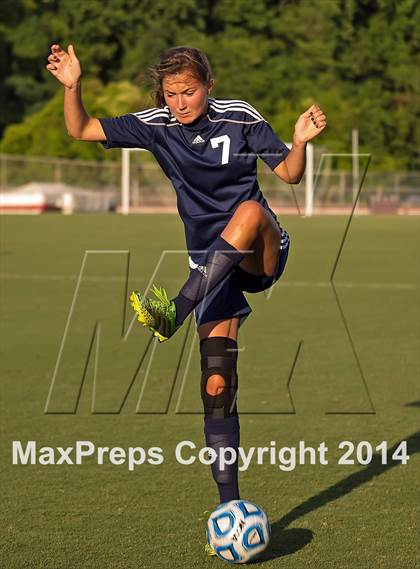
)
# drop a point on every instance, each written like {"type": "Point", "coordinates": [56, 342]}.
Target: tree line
{"type": "Point", "coordinates": [358, 59]}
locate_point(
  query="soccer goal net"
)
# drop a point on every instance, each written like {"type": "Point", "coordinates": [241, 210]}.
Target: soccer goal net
{"type": "Point", "coordinates": [144, 187]}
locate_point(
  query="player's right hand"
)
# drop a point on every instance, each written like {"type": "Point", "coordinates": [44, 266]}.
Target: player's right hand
{"type": "Point", "coordinates": [64, 65]}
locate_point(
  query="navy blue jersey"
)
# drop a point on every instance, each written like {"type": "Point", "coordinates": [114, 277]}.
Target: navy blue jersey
{"type": "Point", "coordinates": [212, 163]}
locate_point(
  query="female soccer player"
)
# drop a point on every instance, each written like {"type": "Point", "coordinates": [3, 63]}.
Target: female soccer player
{"type": "Point", "coordinates": [208, 148]}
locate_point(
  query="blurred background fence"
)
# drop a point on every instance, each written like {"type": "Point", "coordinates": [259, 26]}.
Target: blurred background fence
{"type": "Point", "coordinates": [382, 192]}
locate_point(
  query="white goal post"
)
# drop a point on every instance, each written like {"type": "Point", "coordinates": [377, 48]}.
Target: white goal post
{"type": "Point", "coordinates": [308, 177]}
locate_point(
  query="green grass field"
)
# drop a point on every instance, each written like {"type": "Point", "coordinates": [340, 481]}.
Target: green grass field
{"type": "Point", "coordinates": [317, 364]}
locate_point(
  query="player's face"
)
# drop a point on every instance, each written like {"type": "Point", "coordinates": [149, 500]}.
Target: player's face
{"type": "Point", "coordinates": [186, 96]}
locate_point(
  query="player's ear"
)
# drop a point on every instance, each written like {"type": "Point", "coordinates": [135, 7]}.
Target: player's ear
{"type": "Point", "coordinates": [210, 86]}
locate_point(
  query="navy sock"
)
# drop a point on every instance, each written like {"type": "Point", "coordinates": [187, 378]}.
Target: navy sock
{"type": "Point", "coordinates": [184, 307]}
{"type": "Point", "coordinates": [222, 257]}
{"type": "Point", "coordinates": [224, 433]}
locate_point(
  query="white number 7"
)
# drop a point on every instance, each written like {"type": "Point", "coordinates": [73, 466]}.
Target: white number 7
{"type": "Point", "coordinates": [225, 141]}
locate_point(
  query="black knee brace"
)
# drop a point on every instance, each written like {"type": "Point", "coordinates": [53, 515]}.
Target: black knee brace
{"type": "Point", "coordinates": [219, 356]}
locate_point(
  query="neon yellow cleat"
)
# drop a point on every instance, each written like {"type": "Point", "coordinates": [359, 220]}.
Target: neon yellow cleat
{"type": "Point", "coordinates": [157, 315]}
{"type": "Point", "coordinates": [208, 550]}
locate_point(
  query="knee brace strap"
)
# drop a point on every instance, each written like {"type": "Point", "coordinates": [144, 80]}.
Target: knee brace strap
{"type": "Point", "coordinates": [218, 357]}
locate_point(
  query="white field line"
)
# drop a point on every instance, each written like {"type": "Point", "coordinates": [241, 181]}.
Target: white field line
{"type": "Point", "coordinates": [303, 284]}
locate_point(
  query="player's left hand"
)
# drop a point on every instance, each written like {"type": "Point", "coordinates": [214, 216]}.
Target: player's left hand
{"type": "Point", "coordinates": [311, 123]}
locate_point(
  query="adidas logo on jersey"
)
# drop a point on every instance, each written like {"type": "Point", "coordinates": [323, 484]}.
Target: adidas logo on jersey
{"type": "Point", "coordinates": [198, 140]}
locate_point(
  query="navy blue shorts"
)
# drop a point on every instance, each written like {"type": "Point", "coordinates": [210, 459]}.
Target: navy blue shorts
{"type": "Point", "coordinates": [227, 300]}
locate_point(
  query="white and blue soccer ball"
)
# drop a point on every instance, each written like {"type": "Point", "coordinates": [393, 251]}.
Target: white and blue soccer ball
{"type": "Point", "coordinates": [238, 531]}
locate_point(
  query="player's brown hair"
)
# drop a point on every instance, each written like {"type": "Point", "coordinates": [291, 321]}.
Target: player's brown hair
{"type": "Point", "coordinates": [177, 60]}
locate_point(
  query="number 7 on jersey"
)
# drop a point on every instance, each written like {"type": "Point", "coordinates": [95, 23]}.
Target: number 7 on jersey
{"type": "Point", "coordinates": [225, 142]}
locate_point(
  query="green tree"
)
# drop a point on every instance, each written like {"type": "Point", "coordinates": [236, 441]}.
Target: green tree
{"type": "Point", "coordinates": [358, 59]}
{"type": "Point", "coordinates": [44, 134]}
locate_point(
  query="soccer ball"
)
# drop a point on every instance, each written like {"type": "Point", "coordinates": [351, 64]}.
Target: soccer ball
{"type": "Point", "coordinates": [238, 531]}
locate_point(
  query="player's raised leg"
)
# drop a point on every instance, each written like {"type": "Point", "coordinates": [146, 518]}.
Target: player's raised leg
{"type": "Point", "coordinates": [251, 239]}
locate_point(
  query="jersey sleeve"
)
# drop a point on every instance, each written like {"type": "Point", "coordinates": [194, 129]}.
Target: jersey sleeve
{"type": "Point", "coordinates": [264, 142]}
{"type": "Point", "coordinates": [127, 131]}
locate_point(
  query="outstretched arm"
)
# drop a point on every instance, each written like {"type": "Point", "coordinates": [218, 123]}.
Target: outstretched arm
{"type": "Point", "coordinates": [309, 125]}
{"type": "Point", "coordinates": [66, 69]}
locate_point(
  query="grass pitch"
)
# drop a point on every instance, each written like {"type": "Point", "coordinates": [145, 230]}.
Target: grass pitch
{"type": "Point", "coordinates": [320, 361]}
